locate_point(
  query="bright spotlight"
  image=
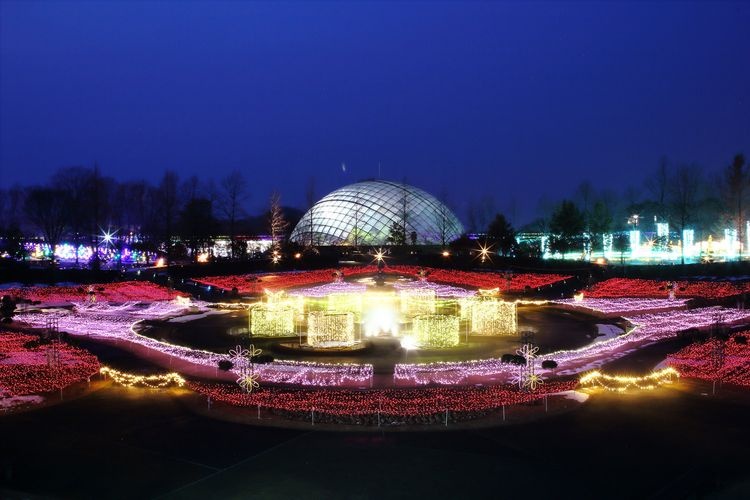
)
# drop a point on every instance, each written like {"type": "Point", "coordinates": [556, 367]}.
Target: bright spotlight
{"type": "Point", "coordinates": [409, 343]}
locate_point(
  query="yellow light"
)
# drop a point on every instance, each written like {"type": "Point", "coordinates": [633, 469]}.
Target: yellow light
{"type": "Point", "coordinates": [160, 262]}
{"type": "Point", "coordinates": [152, 381]}
{"type": "Point", "coordinates": [437, 330]}
{"type": "Point", "coordinates": [272, 322]}
{"type": "Point", "coordinates": [203, 257]}
{"type": "Point", "coordinates": [484, 252]}
{"type": "Point", "coordinates": [446, 253]}
{"type": "Point", "coordinates": [182, 301]}
{"type": "Point", "coordinates": [578, 297]}
{"type": "Point", "coordinates": [326, 329]}
{"type": "Point", "coordinates": [418, 301]}
{"type": "Point", "coordinates": [493, 317]}
{"type": "Point", "coordinates": [621, 383]}
{"type": "Point", "coordinates": [297, 255]}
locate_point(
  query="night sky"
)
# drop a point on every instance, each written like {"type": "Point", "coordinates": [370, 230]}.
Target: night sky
{"type": "Point", "coordinates": [514, 101]}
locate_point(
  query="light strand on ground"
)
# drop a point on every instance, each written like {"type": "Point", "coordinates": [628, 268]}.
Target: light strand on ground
{"type": "Point", "coordinates": [622, 383]}
{"type": "Point", "coordinates": [150, 381]}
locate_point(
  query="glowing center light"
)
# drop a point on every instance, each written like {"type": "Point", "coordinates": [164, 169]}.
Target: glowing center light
{"type": "Point", "coordinates": [409, 343]}
{"type": "Point", "coordinates": [381, 320]}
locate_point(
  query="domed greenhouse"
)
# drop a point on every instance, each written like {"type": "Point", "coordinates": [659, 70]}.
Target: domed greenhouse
{"type": "Point", "coordinates": [373, 213]}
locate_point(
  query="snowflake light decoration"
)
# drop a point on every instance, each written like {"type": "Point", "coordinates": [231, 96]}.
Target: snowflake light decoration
{"type": "Point", "coordinates": [519, 378]}
{"type": "Point", "coordinates": [238, 352]}
{"type": "Point", "coordinates": [528, 351]}
{"type": "Point", "coordinates": [253, 352]}
{"type": "Point", "coordinates": [533, 381]}
{"type": "Point", "coordinates": [248, 382]}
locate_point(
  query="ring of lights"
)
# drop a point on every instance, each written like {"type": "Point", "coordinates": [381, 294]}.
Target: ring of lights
{"type": "Point", "coordinates": [652, 319]}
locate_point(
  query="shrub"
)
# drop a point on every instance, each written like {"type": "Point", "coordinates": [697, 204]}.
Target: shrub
{"type": "Point", "coordinates": [513, 359]}
{"type": "Point", "coordinates": [225, 365]}
{"type": "Point", "coordinates": [740, 339]}
{"type": "Point", "coordinates": [549, 364]}
{"type": "Point", "coordinates": [263, 359]}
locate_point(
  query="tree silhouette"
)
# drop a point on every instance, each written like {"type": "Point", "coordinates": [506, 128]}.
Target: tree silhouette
{"type": "Point", "coordinates": [566, 228]}
{"type": "Point", "coordinates": [48, 210]}
{"type": "Point", "coordinates": [501, 234]}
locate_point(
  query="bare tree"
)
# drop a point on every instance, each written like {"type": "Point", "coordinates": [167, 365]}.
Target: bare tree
{"type": "Point", "coordinates": [277, 223]}
{"type": "Point", "coordinates": [658, 186]}
{"type": "Point", "coordinates": [736, 179]}
{"type": "Point", "coordinates": [233, 195]}
{"type": "Point", "coordinates": [47, 209]}
{"type": "Point", "coordinates": [169, 205]}
{"type": "Point", "coordinates": [685, 186]}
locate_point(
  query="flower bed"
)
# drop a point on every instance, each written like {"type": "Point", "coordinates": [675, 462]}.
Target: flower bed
{"type": "Point", "coordinates": [373, 402]}
{"type": "Point", "coordinates": [627, 287]}
{"type": "Point", "coordinates": [256, 283]}
{"type": "Point", "coordinates": [116, 323]}
{"type": "Point", "coordinates": [109, 292]}
{"type": "Point", "coordinates": [24, 367]}
{"type": "Point", "coordinates": [624, 306]}
{"type": "Point", "coordinates": [715, 360]}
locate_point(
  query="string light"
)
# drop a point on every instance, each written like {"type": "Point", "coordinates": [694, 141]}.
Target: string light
{"type": "Point", "coordinates": [622, 383]}
{"type": "Point", "coordinates": [493, 317]}
{"type": "Point", "coordinates": [151, 381]}
{"type": "Point", "coordinates": [437, 330]}
{"type": "Point", "coordinates": [328, 329]}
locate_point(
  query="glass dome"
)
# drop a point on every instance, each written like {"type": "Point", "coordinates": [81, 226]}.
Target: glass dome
{"type": "Point", "coordinates": [365, 213]}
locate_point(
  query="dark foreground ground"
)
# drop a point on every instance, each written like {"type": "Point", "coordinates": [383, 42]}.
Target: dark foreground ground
{"type": "Point", "coordinates": [129, 443]}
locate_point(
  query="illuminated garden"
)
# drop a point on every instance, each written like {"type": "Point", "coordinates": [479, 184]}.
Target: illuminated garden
{"type": "Point", "coordinates": [377, 346]}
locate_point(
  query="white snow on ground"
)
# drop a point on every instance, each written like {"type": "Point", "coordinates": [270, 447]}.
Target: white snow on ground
{"type": "Point", "coordinates": [12, 402]}
{"type": "Point", "coordinates": [580, 397]}
{"type": "Point", "coordinates": [607, 332]}
{"type": "Point", "coordinates": [192, 317]}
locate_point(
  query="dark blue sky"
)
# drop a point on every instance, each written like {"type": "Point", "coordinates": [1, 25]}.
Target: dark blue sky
{"type": "Point", "coordinates": [515, 101]}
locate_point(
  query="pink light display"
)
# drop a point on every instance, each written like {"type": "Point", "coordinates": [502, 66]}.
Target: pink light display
{"type": "Point", "coordinates": [257, 283]}
{"type": "Point", "coordinates": [394, 402]}
{"type": "Point", "coordinates": [24, 368]}
{"type": "Point", "coordinates": [106, 292]}
{"type": "Point", "coordinates": [114, 322]}
{"type": "Point", "coordinates": [727, 361]}
{"type": "Point", "coordinates": [648, 328]}
{"type": "Point", "coordinates": [624, 306]}
{"type": "Point", "coordinates": [629, 287]}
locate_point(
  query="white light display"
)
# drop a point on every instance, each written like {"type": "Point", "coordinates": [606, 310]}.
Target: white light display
{"type": "Point", "coordinates": [662, 229]}
{"type": "Point", "coordinates": [635, 243]}
{"type": "Point", "coordinates": [731, 245]}
{"type": "Point", "coordinates": [688, 242]}
{"type": "Point", "coordinates": [437, 330]}
{"type": "Point", "coordinates": [330, 329]}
